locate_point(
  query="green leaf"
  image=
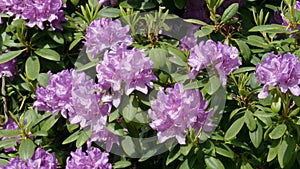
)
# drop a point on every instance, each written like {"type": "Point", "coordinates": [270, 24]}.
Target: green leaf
{"type": "Point", "coordinates": [180, 4]}
{"type": "Point", "coordinates": [122, 164]}
{"type": "Point", "coordinates": [244, 48]}
{"type": "Point", "coordinates": [11, 142]}
{"type": "Point", "coordinates": [83, 137]}
{"type": "Point", "coordinates": [273, 150]}
{"type": "Point", "coordinates": [109, 12]}
{"type": "Point", "coordinates": [195, 21]}
{"type": "Point", "coordinates": [286, 151]}
{"type": "Point", "coordinates": [75, 2]}
{"type": "Point", "coordinates": [225, 151]}
{"type": "Point", "coordinates": [173, 155]}
{"type": "Point", "coordinates": [26, 149]}
{"type": "Point", "coordinates": [230, 12]}
{"type": "Point", "coordinates": [178, 54]}
{"type": "Point", "coordinates": [185, 149]}
{"type": "Point", "coordinates": [257, 41]}
{"type": "Point", "coordinates": [3, 162]}
{"type": "Point", "coordinates": [48, 54]}
{"type": "Point", "coordinates": [213, 85]}
{"type": "Point", "coordinates": [256, 135]}
{"type": "Point", "coordinates": [57, 37]}
{"type": "Point", "coordinates": [278, 131]}
{"type": "Point", "coordinates": [213, 163]}
{"type": "Point", "coordinates": [49, 123]}
{"type": "Point", "coordinates": [249, 120]}
{"type": "Point", "coordinates": [235, 128]}
{"type": "Point", "coordinates": [40, 133]}
{"type": "Point", "coordinates": [9, 133]}
{"type": "Point", "coordinates": [72, 137]}
{"type": "Point", "coordinates": [43, 79]}
{"type": "Point", "coordinates": [244, 69]}
{"type": "Point", "coordinates": [128, 146]}
{"type": "Point", "coordinates": [264, 114]}
{"type": "Point", "coordinates": [159, 57]}
{"type": "Point", "coordinates": [32, 67]}
{"type": "Point", "coordinates": [246, 165]}
{"type": "Point", "coordinates": [205, 30]}
{"type": "Point", "coordinates": [75, 42]}
{"type": "Point", "coordinates": [272, 28]}
{"type": "Point", "coordinates": [5, 57]}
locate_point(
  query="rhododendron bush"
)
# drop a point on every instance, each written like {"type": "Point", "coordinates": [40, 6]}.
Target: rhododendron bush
{"type": "Point", "coordinates": [101, 84]}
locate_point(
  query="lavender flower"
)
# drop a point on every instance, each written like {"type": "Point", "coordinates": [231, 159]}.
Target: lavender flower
{"type": "Point", "coordinates": [41, 160]}
{"type": "Point", "coordinates": [57, 95]}
{"type": "Point", "coordinates": [90, 159]}
{"type": "Point", "coordinates": [223, 58]}
{"type": "Point", "coordinates": [279, 70]}
{"type": "Point", "coordinates": [8, 68]}
{"type": "Point", "coordinates": [105, 34]}
{"type": "Point", "coordinates": [173, 113]}
{"type": "Point", "coordinates": [131, 67]}
{"type": "Point", "coordinates": [37, 12]}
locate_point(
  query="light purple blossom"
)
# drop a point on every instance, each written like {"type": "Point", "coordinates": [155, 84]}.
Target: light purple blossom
{"type": "Point", "coordinates": [8, 68]}
{"type": "Point", "coordinates": [57, 95]}
{"type": "Point", "coordinates": [279, 70]}
{"type": "Point", "coordinates": [223, 58]}
{"type": "Point", "coordinates": [104, 34]}
{"type": "Point", "coordinates": [131, 67]}
{"type": "Point", "coordinates": [41, 160]}
{"type": "Point", "coordinates": [108, 2]}
{"type": "Point", "coordinates": [37, 12]}
{"type": "Point", "coordinates": [92, 159]}
{"type": "Point", "coordinates": [175, 110]}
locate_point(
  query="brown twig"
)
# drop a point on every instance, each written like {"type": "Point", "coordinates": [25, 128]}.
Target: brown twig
{"type": "Point", "coordinates": [3, 93]}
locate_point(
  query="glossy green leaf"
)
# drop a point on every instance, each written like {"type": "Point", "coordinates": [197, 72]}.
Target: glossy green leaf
{"type": "Point", "coordinates": [256, 135]}
{"type": "Point", "coordinates": [249, 120]}
{"type": "Point", "coordinates": [72, 137]}
{"type": "Point", "coordinates": [5, 57]}
{"type": "Point", "coordinates": [173, 155]}
{"type": "Point", "coordinates": [122, 164]}
{"type": "Point", "coordinates": [230, 12]}
{"type": "Point", "coordinates": [128, 146]}
{"type": "Point", "coordinates": [26, 149]}
{"type": "Point", "coordinates": [109, 12]}
{"type": "Point", "coordinates": [235, 128]}
{"type": "Point", "coordinates": [49, 123]}
{"type": "Point", "coordinates": [273, 150]}
{"type": "Point", "coordinates": [32, 67]}
{"type": "Point", "coordinates": [57, 37]}
{"type": "Point", "coordinates": [278, 131]}
{"type": "Point", "coordinates": [83, 137]}
{"type": "Point", "coordinates": [205, 30]}
{"type": "Point", "coordinates": [213, 163]}
{"type": "Point", "coordinates": [286, 151]}
{"type": "Point", "coordinates": [43, 79]}
{"type": "Point", "coordinates": [48, 54]}
{"type": "Point", "coordinates": [244, 49]}
{"type": "Point", "coordinates": [272, 28]}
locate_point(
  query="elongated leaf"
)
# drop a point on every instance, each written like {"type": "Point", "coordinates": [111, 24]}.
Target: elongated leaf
{"type": "Point", "coordinates": [122, 164]}
{"type": "Point", "coordinates": [8, 142]}
{"type": "Point", "coordinates": [205, 30]}
{"type": "Point", "coordinates": [213, 163]}
{"type": "Point", "coordinates": [32, 67]}
{"type": "Point", "coordinates": [244, 48]}
{"type": "Point", "coordinates": [48, 54]}
{"type": "Point", "coordinates": [256, 136]}
{"type": "Point", "coordinates": [128, 146]}
{"type": "Point", "coordinates": [235, 128]}
{"type": "Point", "coordinates": [278, 131]}
{"type": "Point", "coordinates": [49, 123]}
{"type": "Point", "coordinates": [5, 57]}
{"type": "Point", "coordinates": [272, 28]}
{"type": "Point", "coordinates": [26, 149]}
{"type": "Point", "coordinates": [250, 122]}
{"type": "Point", "coordinates": [173, 155]}
{"type": "Point", "coordinates": [71, 138]}
{"type": "Point", "coordinates": [230, 12]}
{"type": "Point", "coordinates": [109, 12]}
{"type": "Point", "coordinates": [83, 137]}
{"type": "Point", "coordinates": [195, 21]}
{"type": "Point", "coordinates": [57, 37]}
{"type": "Point", "coordinates": [286, 151]}
{"type": "Point", "coordinates": [273, 150]}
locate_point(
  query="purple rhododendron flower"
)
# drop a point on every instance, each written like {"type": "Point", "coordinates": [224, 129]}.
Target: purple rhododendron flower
{"type": "Point", "coordinates": [223, 58]}
{"type": "Point", "coordinates": [173, 112]}
{"type": "Point", "coordinates": [57, 95]}
{"type": "Point", "coordinates": [281, 70]}
{"type": "Point", "coordinates": [41, 160]}
{"type": "Point", "coordinates": [37, 12]}
{"type": "Point", "coordinates": [92, 158]}
{"type": "Point", "coordinates": [129, 66]}
{"type": "Point", "coordinates": [105, 34]}
{"type": "Point", "coordinates": [8, 68]}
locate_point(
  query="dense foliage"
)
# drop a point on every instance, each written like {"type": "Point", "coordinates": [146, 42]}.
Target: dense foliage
{"type": "Point", "coordinates": [149, 84]}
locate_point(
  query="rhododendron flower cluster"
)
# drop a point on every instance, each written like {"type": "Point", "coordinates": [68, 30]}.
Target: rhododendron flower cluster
{"type": "Point", "coordinates": [75, 96]}
{"type": "Point", "coordinates": [8, 68]}
{"type": "Point", "coordinates": [223, 58]}
{"type": "Point", "coordinates": [279, 70]}
{"type": "Point", "coordinates": [41, 160]}
{"type": "Point", "coordinates": [175, 110]}
{"type": "Point", "coordinates": [35, 11]}
{"type": "Point", "coordinates": [131, 67]}
{"type": "Point", "coordinates": [92, 158]}
{"type": "Point", "coordinates": [105, 34]}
